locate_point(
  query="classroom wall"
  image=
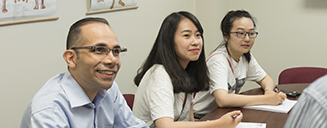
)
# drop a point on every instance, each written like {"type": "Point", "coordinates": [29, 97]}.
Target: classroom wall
{"type": "Point", "coordinates": [291, 33]}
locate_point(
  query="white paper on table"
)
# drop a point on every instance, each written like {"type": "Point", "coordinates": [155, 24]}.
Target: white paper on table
{"type": "Point", "coordinates": [282, 108]}
{"type": "Point", "coordinates": [251, 125]}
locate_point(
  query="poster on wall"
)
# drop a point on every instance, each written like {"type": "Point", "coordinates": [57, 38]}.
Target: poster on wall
{"type": "Point", "coordinates": [111, 5]}
{"type": "Point", "coordinates": [15, 11]}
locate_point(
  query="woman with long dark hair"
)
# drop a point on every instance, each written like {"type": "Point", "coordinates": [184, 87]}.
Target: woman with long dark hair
{"type": "Point", "coordinates": [173, 71]}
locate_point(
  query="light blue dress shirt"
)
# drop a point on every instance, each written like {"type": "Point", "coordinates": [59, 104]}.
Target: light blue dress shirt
{"type": "Point", "coordinates": [62, 103]}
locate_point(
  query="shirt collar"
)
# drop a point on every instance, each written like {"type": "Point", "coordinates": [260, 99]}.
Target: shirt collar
{"type": "Point", "coordinates": [74, 92]}
{"type": "Point", "coordinates": [99, 97]}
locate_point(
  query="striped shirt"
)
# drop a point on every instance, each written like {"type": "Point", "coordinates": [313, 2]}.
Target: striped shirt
{"type": "Point", "coordinates": [311, 109]}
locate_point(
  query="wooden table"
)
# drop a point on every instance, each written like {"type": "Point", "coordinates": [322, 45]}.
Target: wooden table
{"type": "Point", "coordinates": [272, 119]}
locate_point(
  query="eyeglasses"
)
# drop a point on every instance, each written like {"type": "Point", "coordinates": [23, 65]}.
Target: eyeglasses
{"type": "Point", "coordinates": [252, 35]}
{"type": "Point", "coordinates": [103, 50]}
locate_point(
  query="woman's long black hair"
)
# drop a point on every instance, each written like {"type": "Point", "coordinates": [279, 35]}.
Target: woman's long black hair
{"type": "Point", "coordinates": [192, 79]}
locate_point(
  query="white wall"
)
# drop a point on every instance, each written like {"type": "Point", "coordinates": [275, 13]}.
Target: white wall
{"type": "Point", "coordinates": [291, 33]}
{"type": "Point", "coordinates": [210, 13]}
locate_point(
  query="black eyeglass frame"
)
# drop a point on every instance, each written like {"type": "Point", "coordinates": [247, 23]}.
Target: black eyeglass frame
{"type": "Point", "coordinates": [246, 33]}
{"type": "Point", "coordinates": [94, 47]}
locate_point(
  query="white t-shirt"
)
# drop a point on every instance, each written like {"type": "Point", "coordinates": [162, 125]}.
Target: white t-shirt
{"type": "Point", "coordinates": [155, 98]}
{"type": "Point", "coordinates": [222, 75]}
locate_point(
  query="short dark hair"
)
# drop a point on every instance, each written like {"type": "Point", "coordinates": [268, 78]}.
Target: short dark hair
{"type": "Point", "coordinates": [74, 32]}
{"type": "Point", "coordinates": [226, 26]}
{"type": "Point", "coordinates": [192, 79]}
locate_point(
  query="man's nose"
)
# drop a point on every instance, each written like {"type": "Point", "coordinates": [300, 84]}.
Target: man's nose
{"type": "Point", "coordinates": [110, 58]}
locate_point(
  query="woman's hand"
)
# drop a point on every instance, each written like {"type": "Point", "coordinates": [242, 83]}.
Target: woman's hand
{"type": "Point", "coordinates": [226, 121]}
{"type": "Point", "coordinates": [230, 120]}
{"type": "Point", "coordinates": [275, 98]}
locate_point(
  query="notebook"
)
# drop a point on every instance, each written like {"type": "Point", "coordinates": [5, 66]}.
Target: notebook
{"type": "Point", "coordinates": [285, 107]}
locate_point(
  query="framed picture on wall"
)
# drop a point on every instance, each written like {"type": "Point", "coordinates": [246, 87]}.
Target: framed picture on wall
{"type": "Point", "coordinates": [21, 11]}
{"type": "Point", "coordinates": [98, 6]}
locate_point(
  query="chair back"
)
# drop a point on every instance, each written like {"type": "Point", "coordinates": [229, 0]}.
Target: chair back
{"type": "Point", "coordinates": [129, 99]}
{"type": "Point", "coordinates": [301, 75]}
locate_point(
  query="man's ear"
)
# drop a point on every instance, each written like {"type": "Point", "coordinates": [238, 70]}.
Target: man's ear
{"type": "Point", "coordinates": [70, 58]}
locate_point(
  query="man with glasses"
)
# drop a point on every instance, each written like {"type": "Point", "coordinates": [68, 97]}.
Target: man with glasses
{"type": "Point", "coordinates": [86, 95]}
